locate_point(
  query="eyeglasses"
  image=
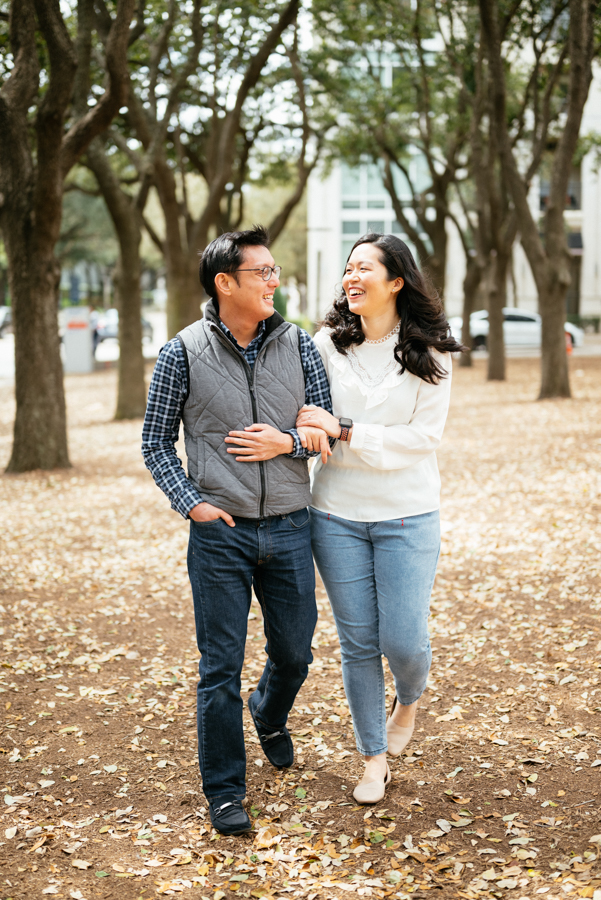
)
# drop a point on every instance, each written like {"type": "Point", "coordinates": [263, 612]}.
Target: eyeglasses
{"type": "Point", "coordinates": [266, 271]}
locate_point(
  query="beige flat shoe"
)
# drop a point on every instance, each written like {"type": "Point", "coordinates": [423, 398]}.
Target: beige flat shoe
{"type": "Point", "coordinates": [371, 790]}
{"type": "Point", "coordinates": [398, 735]}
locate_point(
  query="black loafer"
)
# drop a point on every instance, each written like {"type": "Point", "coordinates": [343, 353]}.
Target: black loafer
{"type": "Point", "coordinates": [229, 817]}
{"type": "Point", "coordinates": [276, 745]}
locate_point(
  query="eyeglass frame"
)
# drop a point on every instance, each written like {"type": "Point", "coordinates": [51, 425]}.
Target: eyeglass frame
{"type": "Point", "coordinates": [274, 270]}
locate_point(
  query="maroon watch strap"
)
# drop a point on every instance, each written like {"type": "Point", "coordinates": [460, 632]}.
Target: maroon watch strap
{"type": "Point", "coordinates": [344, 433]}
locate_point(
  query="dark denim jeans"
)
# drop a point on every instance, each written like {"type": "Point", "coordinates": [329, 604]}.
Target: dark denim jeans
{"type": "Point", "coordinates": [224, 563]}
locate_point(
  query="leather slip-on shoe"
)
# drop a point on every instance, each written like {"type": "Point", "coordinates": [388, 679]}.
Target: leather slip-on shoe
{"type": "Point", "coordinates": [372, 790]}
{"type": "Point", "coordinates": [398, 736]}
{"type": "Point", "coordinates": [230, 818]}
{"type": "Point", "coordinates": [276, 745]}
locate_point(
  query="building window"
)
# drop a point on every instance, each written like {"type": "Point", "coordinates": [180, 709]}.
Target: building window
{"type": "Point", "coordinates": [573, 193]}
{"type": "Point", "coordinates": [347, 246]}
{"type": "Point", "coordinates": [351, 227]}
{"type": "Point", "coordinates": [376, 225]}
{"type": "Point", "coordinates": [351, 204]}
{"type": "Point", "coordinates": [351, 180]}
{"type": "Point", "coordinates": [376, 204]}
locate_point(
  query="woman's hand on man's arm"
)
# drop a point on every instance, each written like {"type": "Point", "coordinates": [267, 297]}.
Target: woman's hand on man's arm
{"type": "Point", "coordinates": [316, 417]}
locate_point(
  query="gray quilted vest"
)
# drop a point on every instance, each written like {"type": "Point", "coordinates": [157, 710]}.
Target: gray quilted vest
{"type": "Point", "coordinates": [225, 394]}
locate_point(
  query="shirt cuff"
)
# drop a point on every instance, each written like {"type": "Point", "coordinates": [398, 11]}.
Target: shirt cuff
{"type": "Point", "coordinates": [357, 441]}
{"type": "Point", "coordinates": [186, 501]}
{"type": "Point", "coordinates": [367, 438]}
{"type": "Point", "coordinates": [298, 450]}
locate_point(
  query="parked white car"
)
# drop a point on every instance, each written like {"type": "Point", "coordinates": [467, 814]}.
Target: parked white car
{"type": "Point", "coordinates": [520, 328]}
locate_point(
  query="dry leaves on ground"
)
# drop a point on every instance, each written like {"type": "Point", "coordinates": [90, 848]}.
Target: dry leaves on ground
{"type": "Point", "coordinates": [499, 793]}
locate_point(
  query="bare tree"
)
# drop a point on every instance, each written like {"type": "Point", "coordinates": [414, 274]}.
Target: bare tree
{"type": "Point", "coordinates": [219, 135]}
{"type": "Point", "coordinates": [36, 153]}
{"type": "Point", "coordinates": [126, 212]}
{"type": "Point", "coordinates": [401, 107]}
{"type": "Point", "coordinates": [548, 256]}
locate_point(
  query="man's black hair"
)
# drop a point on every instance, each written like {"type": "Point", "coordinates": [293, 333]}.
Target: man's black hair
{"type": "Point", "coordinates": [226, 254]}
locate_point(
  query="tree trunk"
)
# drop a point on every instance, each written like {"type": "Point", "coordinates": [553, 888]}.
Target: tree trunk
{"type": "Point", "coordinates": [3, 285]}
{"type": "Point", "coordinates": [555, 380]}
{"type": "Point", "coordinates": [471, 283]}
{"type": "Point", "coordinates": [127, 221]}
{"type": "Point", "coordinates": [184, 293]}
{"type": "Point", "coordinates": [497, 298]}
{"type": "Point", "coordinates": [437, 260]}
{"type": "Point", "coordinates": [40, 430]}
{"type": "Point", "coordinates": [131, 394]}
{"type": "Point", "coordinates": [547, 260]}
{"type": "Point", "coordinates": [36, 153]}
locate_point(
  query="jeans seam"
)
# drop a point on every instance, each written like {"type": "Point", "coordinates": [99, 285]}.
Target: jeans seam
{"type": "Point", "coordinates": [261, 600]}
{"type": "Point", "coordinates": [208, 660]}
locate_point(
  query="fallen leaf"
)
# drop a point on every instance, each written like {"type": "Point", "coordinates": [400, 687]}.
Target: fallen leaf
{"type": "Point", "coordinates": [267, 836]}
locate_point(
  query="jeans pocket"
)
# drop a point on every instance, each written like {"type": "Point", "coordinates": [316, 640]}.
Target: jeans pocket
{"type": "Point", "coordinates": [207, 522]}
{"type": "Point", "coordinates": [300, 518]}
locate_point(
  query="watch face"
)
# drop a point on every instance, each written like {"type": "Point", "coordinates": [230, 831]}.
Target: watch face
{"type": "Point", "coordinates": [346, 423]}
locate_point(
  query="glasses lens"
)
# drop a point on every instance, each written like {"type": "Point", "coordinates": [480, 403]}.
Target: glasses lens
{"type": "Point", "coordinates": [267, 272]}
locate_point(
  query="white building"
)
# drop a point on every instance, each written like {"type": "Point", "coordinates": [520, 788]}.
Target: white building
{"type": "Point", "coordinates": [345, 203]}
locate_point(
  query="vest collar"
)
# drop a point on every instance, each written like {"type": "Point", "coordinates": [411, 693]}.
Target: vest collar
{"type": "Point", "coordinates": [271, 324]}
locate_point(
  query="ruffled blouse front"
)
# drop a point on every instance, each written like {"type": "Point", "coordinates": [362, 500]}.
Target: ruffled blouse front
{"type": "Point", "coordinates": [371, 369]}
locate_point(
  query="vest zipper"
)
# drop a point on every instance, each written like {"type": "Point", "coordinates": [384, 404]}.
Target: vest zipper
{"type": "Point", "coordinates": [250, 378]}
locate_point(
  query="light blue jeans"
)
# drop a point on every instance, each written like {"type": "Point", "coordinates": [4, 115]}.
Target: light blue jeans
{"type": "Point", "coordinates": [379, 577]}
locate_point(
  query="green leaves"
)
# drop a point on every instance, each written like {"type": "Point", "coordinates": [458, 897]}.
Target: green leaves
{"type": "Point", "coordinates": [376, 837]}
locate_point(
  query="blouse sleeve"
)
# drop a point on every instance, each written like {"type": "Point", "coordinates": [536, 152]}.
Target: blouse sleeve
{"type": "Point", "coordinates": [323, 343]}
{"type": "Point", "coordinates": [401, 446]}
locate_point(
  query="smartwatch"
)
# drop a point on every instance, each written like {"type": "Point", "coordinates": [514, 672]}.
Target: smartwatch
{"type": "Point", "coordinates": [345, 425]}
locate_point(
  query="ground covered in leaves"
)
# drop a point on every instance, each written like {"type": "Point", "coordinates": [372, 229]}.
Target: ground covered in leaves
{"type": "Point", "coordinates": [499, 795]}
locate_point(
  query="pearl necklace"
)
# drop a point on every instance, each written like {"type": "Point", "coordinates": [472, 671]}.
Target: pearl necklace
{"type": "Point", "coordinates": [382, 340]}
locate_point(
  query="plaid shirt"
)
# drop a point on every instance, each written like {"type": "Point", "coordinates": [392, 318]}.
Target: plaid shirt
{"type": "Point", "coordinates": [166, 399]}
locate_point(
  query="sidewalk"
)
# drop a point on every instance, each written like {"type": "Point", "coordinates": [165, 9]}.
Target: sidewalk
{"type": "Point", "coordinates": [107, 353]}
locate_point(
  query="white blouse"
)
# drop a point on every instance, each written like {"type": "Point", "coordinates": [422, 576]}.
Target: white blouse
{"type": "Point", "coordinates": [389, 469]}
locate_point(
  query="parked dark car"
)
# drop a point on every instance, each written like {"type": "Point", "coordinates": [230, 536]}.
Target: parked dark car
{"type": "Point", "coordinates": [108, 326]}
{"type": "Point", "coordinates": [5, 320]}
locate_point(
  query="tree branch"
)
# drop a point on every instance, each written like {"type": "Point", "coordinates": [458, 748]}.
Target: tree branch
{"type": "Point", "coordinates": [232, 121]}
{"type": "Point", "coordinates": [97, 119]}
{"type": "Point", "coordinates": [19, 89]}
{"type": "Point", "coordinates": [153, 235]}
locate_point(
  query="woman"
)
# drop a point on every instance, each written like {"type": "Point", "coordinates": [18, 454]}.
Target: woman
{"type": "Point", "coordinates": [386, 347]}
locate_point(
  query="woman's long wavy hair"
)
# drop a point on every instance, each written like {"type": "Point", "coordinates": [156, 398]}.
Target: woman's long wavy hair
{"type": "Point", "coordinates": [423, 324]}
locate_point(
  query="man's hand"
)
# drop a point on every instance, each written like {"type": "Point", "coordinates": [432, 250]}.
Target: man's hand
{"type": "Point", "coordinates": [259, 442]}
{"type": "Point", "coordinates": [315, 439]}
{"type": "Point", "coordinates": [204, 512]}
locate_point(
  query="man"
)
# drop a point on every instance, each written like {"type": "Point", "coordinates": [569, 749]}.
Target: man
{"type": "Point", "coordinates": [238, 378]}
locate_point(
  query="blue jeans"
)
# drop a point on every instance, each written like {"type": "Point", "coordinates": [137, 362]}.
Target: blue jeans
{"type": "Point", "coordinates": [379, 577]}
{"type": "Point", "coordinates": [224, 563]}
